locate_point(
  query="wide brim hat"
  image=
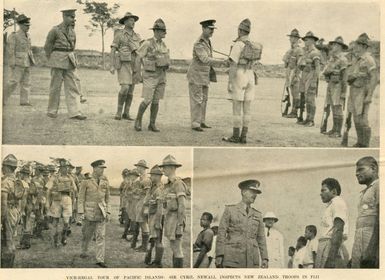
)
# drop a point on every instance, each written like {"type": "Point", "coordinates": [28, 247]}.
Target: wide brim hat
{"type": "Point", "coordinates": [294, 33]}
{"type": "Point", "coordinates": [250, 184]}
{"type": "Point", "coordinates": [23, 19]}
{"type": "Point", "coordinates": [159, 25]}
{"type": "Point", "coordinates": [99, 163]}
{"type": "Point", "coordinates": [170, 161]}
{"type": "Point", "coordinates": [155, 170]}
{"type": "Point", "coordinates": [270, 215]}
{"type": "Point", "coordinates": [363, 39]}
{"type": "Point", "coordinates": [142, 163]}
{"type": "Point", "coordinates": [310, 35]}
{"type": "Point", "coordinates": [127, 16]}
{"type": "Point", "coordinates": [245, 25]}
{"type": "Point", "coordinates": [10, 160]}
{"type": "Point", "coordinates": [208, 23]}
{"type": "Point", "coordinates": [25, 169]}
{"type": "Point", "coordinates": [340, 41]}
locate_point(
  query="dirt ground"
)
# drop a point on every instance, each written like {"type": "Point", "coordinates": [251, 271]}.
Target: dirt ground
{"type": "Point", "coordinates": [30, 125]}
{"type": "Point", "coordinates": [42, 254]}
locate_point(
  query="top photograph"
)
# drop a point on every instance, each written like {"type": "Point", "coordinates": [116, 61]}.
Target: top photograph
{"type": "Point", "coordinates": [191, 73]}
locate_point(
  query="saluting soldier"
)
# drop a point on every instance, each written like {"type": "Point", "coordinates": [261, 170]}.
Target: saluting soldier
{"type": "Point", "coordinates": [155, 58]}
{"type": "Point", "coordinates": [310, 65]}
{"type": "Point", "coordinates": [200, 74]}
{"type": "Point", "coordinates": [26, 208]}
{"type": "Point", "coordinates": [242, 80]}
{"type": "Point", "coordinates": [365, 253]}
{"type": "Point", "coordinates": [241, 241]}
{"type": "Point", "coordinates": [142, 186]}
{"type": "Point", "coordinates": [291, 61]}
{"type": "Point", "coordinates": [125, 61]}
{"type": "Point", "coordinates": [10, 196]}
{"type": "Point", "coordinates": [174, 209]}
{"type": "Point", "coordinates": [154, 202]}
{"type": "Point", "coordinates": [60, 188]}
{"type": "Point", "coordinates": [94, 198]}
{"type": "Point", "coordinates": [362, 79]}
{"type": "Point", "coordinates": [59, 49]}
{"type": "Point", "coordinates": [20, 61]}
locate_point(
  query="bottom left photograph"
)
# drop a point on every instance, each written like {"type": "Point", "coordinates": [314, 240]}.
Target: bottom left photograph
{"type": "Point", "coordinates": [89, 207]}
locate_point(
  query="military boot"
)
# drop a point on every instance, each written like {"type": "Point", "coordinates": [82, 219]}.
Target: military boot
{"type": "Point", "coordinates": [121, 98]}
{"type": "Point", "coordinates": [359, 137]}
{"type": "Point", "coordinates": [331, 131]}
{"type": "Point", "coordinates": [148, 257]}
{"type": "Point", "coordinates": [127, 106]}
{"type": "Point", "coordinates": [366, 135]}
{"type": "Point", "coordinates": [64, 237]}
{"type": "Point", "coordinates": [135, 235]}
{"type": "Point", "coordinates": [178, 263]}
{"type": "Point", "coordinates": [153, 114]}
{"type": "Point", "coordinates": [234, 138]}
{"type": "Point", "coordinates": [244, 135]}
{"type": "Point", "coordinates": [144, 245]}
{"type": "Point", "coordinates": [157, 263]}
{"type": "Point", "coordinates": [56, 240]}
{"type": "Point", "coordinates": [338, 127]}
{"type": "Point", "coordinates": [138, 122]}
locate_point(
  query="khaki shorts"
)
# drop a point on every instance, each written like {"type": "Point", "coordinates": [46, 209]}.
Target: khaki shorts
{"type": "Point", "coordinates": [154, 86]}
{"type": "Point", "coordinates": [125, 74]}
{"type": "Point", "coordinates": [243, 87]}
{"type": "Point", "coordinates": [62, 208]}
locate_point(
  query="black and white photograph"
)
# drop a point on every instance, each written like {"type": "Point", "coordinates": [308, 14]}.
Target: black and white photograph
{"type": "Point", "coordinates": [83, 207]}
{"type": "Point", "coordinates": [311, 209]}
{"type": "Point", "coordinates": [232, 73]}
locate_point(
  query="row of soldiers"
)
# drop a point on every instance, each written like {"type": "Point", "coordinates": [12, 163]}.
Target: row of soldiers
{"type": "Point", "coordinates": [154, 209]}
{"type": "Point", "coordinates": [343, 67]}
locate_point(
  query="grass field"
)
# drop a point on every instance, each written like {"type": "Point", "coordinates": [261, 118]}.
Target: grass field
{"type": "Point", "coordinates": [42, 254]}
{"type": "Point", "coordinates": [30, 125]}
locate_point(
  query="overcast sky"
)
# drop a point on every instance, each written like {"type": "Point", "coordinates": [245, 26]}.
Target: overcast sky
{"type": "Point", "coordinates": [270, 21]}
{"type": "Point", "coordinates": [117, 158]}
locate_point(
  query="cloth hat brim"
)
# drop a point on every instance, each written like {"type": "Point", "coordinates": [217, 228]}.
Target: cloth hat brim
{"type": "Point", "coordinates": [170, 164]}
{"type": "Point", "coordinates": [344, 46]}
{"type": "Point", "coordinates": [313, 37]}
{"type": "Point", "coordinates": [292, 35]}
{"type": "Point", "coordinates": [275, 219]}
{"type": "Point", "coordinates": [123, 19]}
{"type": "Point", "coordinates": [141, 165]}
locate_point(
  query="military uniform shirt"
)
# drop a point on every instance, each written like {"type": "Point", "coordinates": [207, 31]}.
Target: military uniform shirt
{"type": "Point", "coordinates": [20, 50]}
{"type": "Point", "coordinates": [199, 70]}
{"type": "Point", "coordinates": [369, 201]}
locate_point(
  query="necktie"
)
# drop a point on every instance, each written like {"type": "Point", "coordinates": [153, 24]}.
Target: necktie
{"type": "Point", "coordinates": [247, 209]}
{"type": "Point", "coordinates": [268, 231]}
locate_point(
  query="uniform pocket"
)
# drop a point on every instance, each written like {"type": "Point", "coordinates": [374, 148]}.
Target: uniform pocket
{"type": "Point", "coordinates": [149, 65]}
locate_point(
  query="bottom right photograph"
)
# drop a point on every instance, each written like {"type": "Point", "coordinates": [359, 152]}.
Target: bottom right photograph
{"type": "Point", "coordinates": [292, 208]}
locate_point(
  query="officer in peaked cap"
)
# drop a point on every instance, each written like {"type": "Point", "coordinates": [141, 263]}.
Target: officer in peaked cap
{"type": "Point", "coordinates": [99, 164]}
{"type": "Point", "coordinates": [20, 61]}
{"type": "Point", "coordinates": [156, 60]}
{"type": "Point", "coordinates": [125, 61]}
{"type": "Point", "coordinates": [248, 233]}
{"type": "Point", "coordinates": [9, 211]}
{"type": "Point", "coordinates": [199, 75]}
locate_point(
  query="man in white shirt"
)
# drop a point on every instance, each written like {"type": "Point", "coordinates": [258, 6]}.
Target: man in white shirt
{"type": "Point", "coordinates": [334, 225]}
{"type": "Point", "coordinates": [274, 242]}
{"type": "Point", "coordinates": [311, 246]}
{"type": "Point", "coordinates": [300, 253]}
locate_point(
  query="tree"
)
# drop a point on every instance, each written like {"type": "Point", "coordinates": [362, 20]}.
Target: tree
{"type": "Point", "coordinates": [102, 19]}
{"type": "Point", "coordinates": [9, 18]}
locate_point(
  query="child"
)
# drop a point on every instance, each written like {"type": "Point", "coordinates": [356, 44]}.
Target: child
{"type": "Point", "coordinates": [311, 246]}
{"type": "Point", "coordinates": [203, 242]}
{"type": "Point", "coordinates": [300, 252]}
{"type": "Point", "coordinates": [291, 253]}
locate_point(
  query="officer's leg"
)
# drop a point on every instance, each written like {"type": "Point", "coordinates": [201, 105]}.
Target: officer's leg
{"type": "Point", "coordinates": [66, 214]}
{"type": "Point", "coordinates": [237, 122]}
{"type": "Point", "coordinates": [15, 75]}
{"type": "Point", "coordinates": [147, 94]}
{"type": "Point", "coordinates": [72, 93]}
{"type": "Point", "coordinates": [338, 119]}
{"type": "Point", "coordinates": [25, 87]}
{"type": "Point", "coordinates": [88, 230]}
{"type": "Point", "coordinates": [301, 108]}
{"type": "Point", "coordinates": [55, 224]}
{"type": "Point", "coordinates": [366, 130]}
{"type": "Point", "coordinates": [246, 105]}
{"type": "Point", "coordinates": [54, 91]}
{"type": "Point", "coordinates": [122, 96]}
{"type": "Point", "coordinates": [145, 236]}
{"type": "Point", "coordinates": [205, 91]}
{"type": "Point", "coordinates": [135, 234]}
{"type": "Point", "coordinates": [178, 254]}
{"type": "Point", "coordinates": [159, 249]}
{"type": "Point", "coordinates": [196, 100]}
{"type": "Point", "coordinates": [100, 241]}
{"type": "Point", "coordinates": [158, 94]}
{"type": "Point", "coordinates": [295, 99]}
{"type": "Point", "coordinates": [359, 129]}
{"type": "Point", "coordinates": [128, 102]}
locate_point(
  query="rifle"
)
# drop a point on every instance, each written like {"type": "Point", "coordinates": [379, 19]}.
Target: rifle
{"type": "Point", "coordinates": [325, 116]}
{"type": "Point", "coordinates": [301, 106]}
{"type": "Point", "coordinates": [285, 102]}
{"type": "Point", "coordinates": [348, 125]}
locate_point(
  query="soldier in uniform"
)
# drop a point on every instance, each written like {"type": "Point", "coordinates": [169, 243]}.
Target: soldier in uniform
{"type": "Point", "coordinates": [74, 194]}
{"type": "Point", "coordinates": [200, 74]}
{"type": "Point", "coordinates": [365, 253]}
{"type": "Point", "coordinates": [174, 209]}
{"type": "Point", "coordinates": [59, 49]}
{"type": "Point", "coordinates": [60, 188]}
{"type": "Point", "coordinates": [52, 169]}
{"type": "Point", "coordinates": [142, 186]}
{"type": "Point", "coordinates": [336, 77]}
{"type": "Point", "coordinates": [362, 79]}
{"type": "Point", "coordinates": [154, 202]}
{"type": "Point", "coordinates": [132, 200]}
{"type": "Point", "coordinates": [241, 239]}
{"type": "Point", "coordinates": [291, 61]}
{"type": "Point", "coordinates": [20, 60]}
{"type": "Point", "coordinates": [242, 80]}
{"type": "Point", "coordinates": [124, 60]}
{"type": "Point", "coordinates": [94, 199]}
{"type": "Point", "coordinates": [124, 202]}
{"type": "Point", "coordinates": [334, 227]}
{"type": "Point", "coordinates": [10, 214]}
{"type": "Point", "coordinates": [310, 65]}
{"type": "Point", "coordinates": [38, 191]}
{"type": "Point", "coordinates": [274, 241]}
{"type": "Point", "coordinates": [26, 208]}
{"type": "Point", "coordinates": [155, 58]}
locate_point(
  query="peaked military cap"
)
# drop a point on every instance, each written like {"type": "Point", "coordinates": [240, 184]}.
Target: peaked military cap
{"type": "Point", "coordinates": [310, 35]}
{"type": "Point", "coordinates": [250, 184]}
{"type": "Point", "coordinates": [159, 25]}
{"type": "Point", "coordinates": [170, 161]}
{"type": "Point", "coordinates": [156, 170]}
{"type": "Point", "coordinates": [209, 23]}
{"type": "Point", "coordinates": [23, 19]}
{"type": "Point", "coordinates": [10, 160]}
{"type": "Point", "coordinates": [68, 12]}
{"type": "Point", "coordinates": [294, 33]}
{"type": "Point", "coordinates": [363, 39]}
{"type": "Point", "coordinates": [340, 41]}
{"type": "Point", "coordinates": [245, 25]}
{"type": "Point", "coordinates": [270, 215]}
{"type": "Point", "coordinates": [142, 163]}
{"type": "Point", "coordinates": [99, 163]}
{"type": "Point", "coordinates": [127, 16]}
